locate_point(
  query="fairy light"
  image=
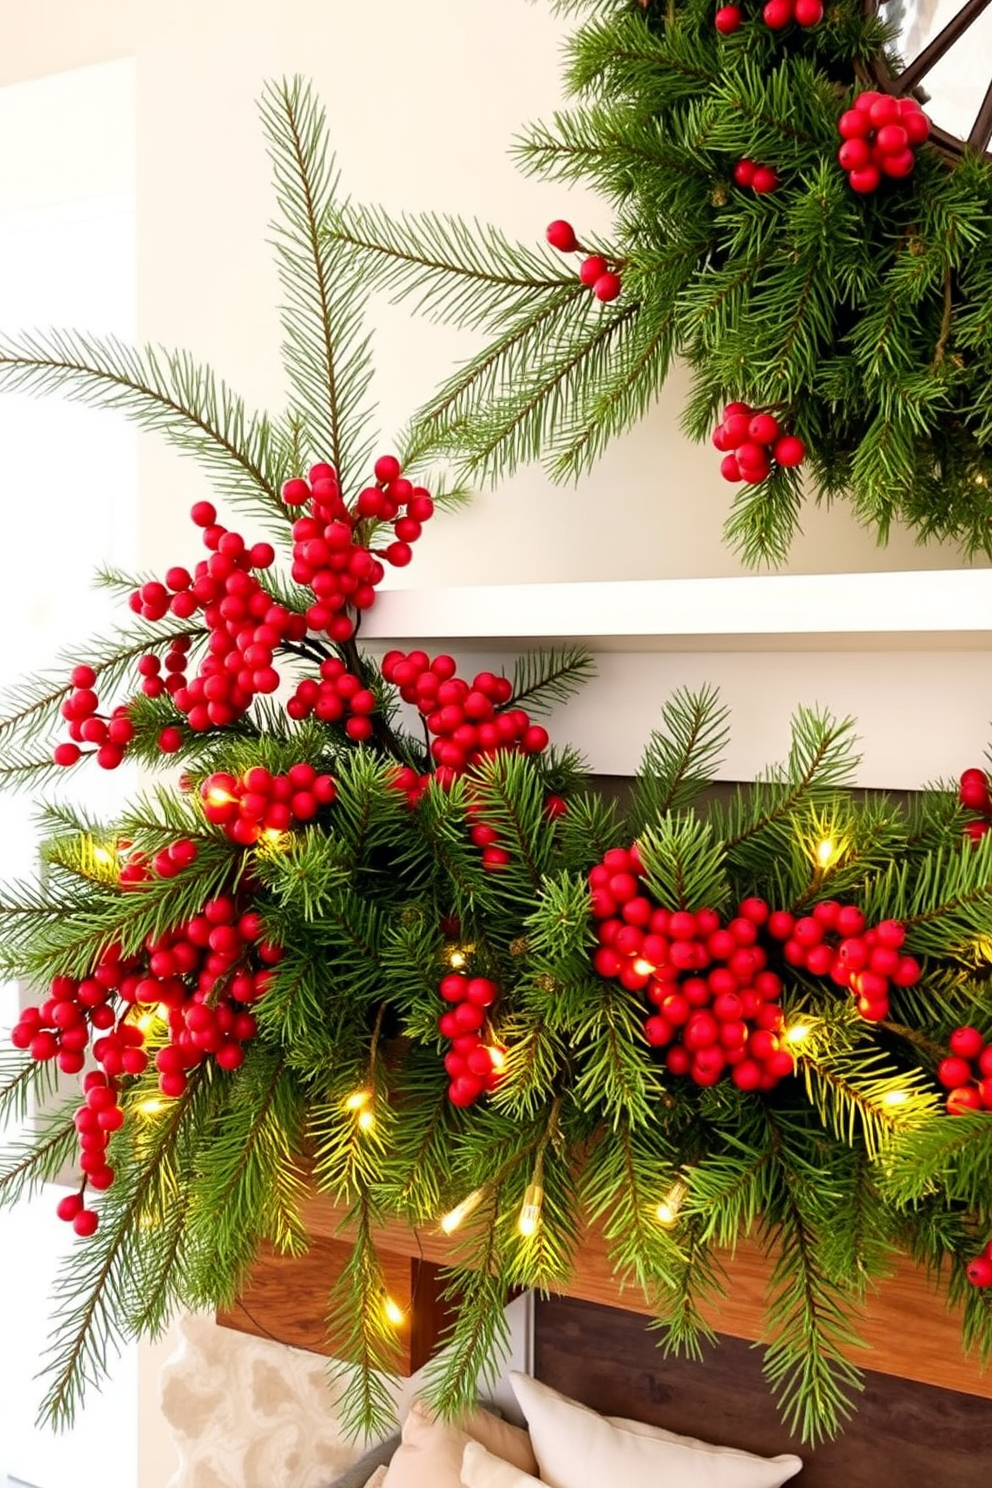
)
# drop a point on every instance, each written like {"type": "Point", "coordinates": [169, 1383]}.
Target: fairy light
{"type": "Point", "coordinates": [498, 1056]}
{"type": "Point", "coordinates": [457, 959]}
{"type": "Point", "coordinates": [147, 1020]}
{"type": "Point", "coordinates": [103, 856]}
{"type": "Point", "coordinates": [150, 1106]}
{"type": "Point", "coordinates": [826, 852]}
{"type": "Point", "coordinates": [393, 1310]}
{"type": "Point", "coordinates": [357, 1099]}
{"type": "Point", "coordinates": [895, 1098]}
{"type": "Point", "coordinates": [797, 1033]}
{"type": "Point", "coordinates": [450, 1222]}
{"type": "Point", "coordinates": [274, 837]}
{"type": "Point", "coordinates": [643, 968]}
{"type": "Point", "coordinates": [366, 1119]}
{"type": "Point", "coordinates": [667, 1212]}
{"type": "Point", "coordinates": [529, 1218]}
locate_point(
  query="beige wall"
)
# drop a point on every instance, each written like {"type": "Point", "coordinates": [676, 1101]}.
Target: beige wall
{"type": "Point", "coordinates": [422, 101]}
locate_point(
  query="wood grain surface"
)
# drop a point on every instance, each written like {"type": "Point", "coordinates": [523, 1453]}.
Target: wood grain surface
{"type": "Point", "coordinates": [286, 1300]}
{"type": "Point", "coordinates": [902, 1434]}
{"type": "Point", "coordinates": [908, 1330]}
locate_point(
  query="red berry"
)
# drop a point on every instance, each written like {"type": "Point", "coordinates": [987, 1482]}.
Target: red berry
{"type": "Point", "coordinates": [607, 287]}
{"type": "Point", "coordinates": [854, 154]}
{"type": "Point", "coordinates": [744, 172]}
{"type": "Point", "coordinates": [966, 1042]}
{"type": "Point", "coordinates": [85, 1222]}
{"type": "Point", "coordinates": [66, 754]}
{"type": "Point", "coordinates": [764, 179]}
{"type": "Point", "coordinates": [730, 469]}
{"type": "Point", "coordinates": [854, 124]}
{"type": "Point", "coordinates": [561, 235]}
{"type": "Point", "coordinates": [728, 19]}
{"type": "Point", "coordinates": [865, 180]}
{"type": "Point", "coordinates": [953, 1072]}
{"type": "Point", "coordinates": [777, 14]}
{"type": "Point", "coordinates": [979, 1271]}
{"type": "Point", "coordinates": [764, 429]}
{"type": "Point", "coordinates": [962, 1099]}
{"type": "Point", "coordinates": [387, 468]}
{"type": "Point", "coordinates": [592, 268]}
{"type": "Point", "coordinates": [204, 514]}
{"type": "Point", "coordinates": [789, 450]}
{"type": "Point", "coordinates": [809, 12]}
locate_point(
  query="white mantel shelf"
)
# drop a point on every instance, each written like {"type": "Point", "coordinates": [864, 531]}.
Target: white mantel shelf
{"type": "Point", "coordinates": [937, 609]}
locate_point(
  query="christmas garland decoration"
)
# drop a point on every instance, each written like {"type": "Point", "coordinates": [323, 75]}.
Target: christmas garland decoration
{"type": "Point", "coordinates": [782, 228]}
{"type": "Point", "coordinates": [380, 937]}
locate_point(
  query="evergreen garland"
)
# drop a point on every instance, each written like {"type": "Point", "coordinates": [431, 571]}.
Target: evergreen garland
{"type": "Point", "coordinates": [859, 320]}
{"type": "Point", "coordinates": [308, 945]}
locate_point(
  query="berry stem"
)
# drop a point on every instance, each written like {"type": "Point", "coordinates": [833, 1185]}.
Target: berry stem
{"type": "Point", "coordinates": [382, 731]}
{"type": "Point", "coordinates": [912, 1036]}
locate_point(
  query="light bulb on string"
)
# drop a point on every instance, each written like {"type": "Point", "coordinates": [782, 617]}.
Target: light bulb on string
{"type": "Point", "coordinates": [450, 1222]}
{"type": "Point", "coordinates": [826, 852]}
{"type": "Point", "coordinates": [667, 1212]}
{"type": "Point", "coordinates": [150, 1106]}
{"type": "Point", "coordinates": [529, 1218]}
{"type": "Point", "coordinates": [895, 1098]}
{"type": "Point", "coordinates": [797, 1033]}
{"type": "Point", "coordinates": [357, 1099]}
{"type": "Point", "coordinates": [393, 1311]}
{"type": "Point", "coordinates": [456, 958]}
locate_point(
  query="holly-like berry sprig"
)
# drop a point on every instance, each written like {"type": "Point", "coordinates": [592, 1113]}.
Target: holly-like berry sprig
{"type": "Point", "coordinates": [247, 627]}
{"type": "Point", "coordinates": [474, 1065]}
{"type": "Point", "coordinates": [595, 271]}
{"type": "Point", "coordinates": [979, 1268]}
{"type": "Point", "coordinates": [775, 14]}
{"type": "Point", "coordinates": [713, 985]}
{"type": "Point", "coordinates": [966, 1073]}
{"type": "Point", "coordinates": [880, 135]}
{"type": "Point", "coordinates": [973, 793]}
{"type": "Point", "coordinates": [753, 442]}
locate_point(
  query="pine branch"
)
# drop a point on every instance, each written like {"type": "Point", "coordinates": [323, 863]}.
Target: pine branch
{"type": "Point", "coordinates": [92, 1293]}
{"type": "Point", "coordinates": [369, 1343]}
{"type": "Point", "coordinates": [542, 679]}
{"type": "Point", "coordinates": [160, 390]}
{"type": "Point", "coordinates": [325, 349]}
{"type": "Point", "coordinates": [680, 762]}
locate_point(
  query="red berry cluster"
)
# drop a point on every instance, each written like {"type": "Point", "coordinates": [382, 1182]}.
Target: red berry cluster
{"type": "Point", "coordinates": [760, 179]}
{"type": "Point", "coordinates": [204, 974]}
{"type": "Point", "coordinates": [474, 1066]}
{"type": "Point", "coordinates": [246, 626]}
{"type": "Point", "coordinates": [966, 1073]}
{"type": "Point", "coordinates": [328, 555]}
{"type": "Point", "coordinates": [95, 1121]}
{"type": "Point", "coordinates": [973, 793]}
{"type": "Point", "coordinates": [880, 133]}
{"type": "Point", "coordinates": [833, 941]}
{"type": "Point", "coordinates": [715, 1000]}
{"type": "Point", "coordinates": [979, 1269]}
{"type": "Point", "coordinates": [751, 442]}
{"type": "Point", "coordinates": [337, 695]}
{"type": "Point", "coordinates": [594, 270]}
{"type": "Point", "coordinates": [465, 718]}
{"type": "Point", "coordinates": [776, 14]}
{"type": "Point", "coordinates": [259, 801]}
{"type": "Point", "coordinates": [109, 736]}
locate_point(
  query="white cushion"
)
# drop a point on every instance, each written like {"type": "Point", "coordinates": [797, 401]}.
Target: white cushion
{"type": "Point", "coordinates": [576, 1448]}
{"type": "Point", "coordinates": [480, 1469]}
{"type": "Point", "coordinates": [430, 1452]}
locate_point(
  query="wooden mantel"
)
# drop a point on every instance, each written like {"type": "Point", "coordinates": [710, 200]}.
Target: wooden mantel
{"type": "Point", "coordinates": [907, 1327]}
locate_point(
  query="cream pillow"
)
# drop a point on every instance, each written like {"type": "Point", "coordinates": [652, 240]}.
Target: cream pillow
{"type": "Point", "coordinates": [576, 1448]}
{"type": "Point", "coordinates": [480, 1469]}
{"type": "Point", "coordinates": [430, 1452]}
{"type": "Point", "coordinates": [378, 1477]}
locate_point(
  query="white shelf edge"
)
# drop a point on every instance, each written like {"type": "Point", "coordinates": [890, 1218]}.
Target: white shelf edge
{"type": "Point", "coordinates": [936, 607]}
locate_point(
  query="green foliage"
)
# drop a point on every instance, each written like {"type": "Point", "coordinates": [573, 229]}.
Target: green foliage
{"type": "Point", "coordinates": [860, 320]}
{"type": "Point", "coordinates": [349, 919]}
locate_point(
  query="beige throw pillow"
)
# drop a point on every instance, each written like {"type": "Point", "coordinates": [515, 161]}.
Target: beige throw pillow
{"type": "Point", "coordinates": [430, 1451]}
{"type": "Point", "coordinates": [576, 1448]}
{"type": "Point", "coordinates": [480, 1469]}
{"type": "Point", "coordinates": [378, 1477]}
